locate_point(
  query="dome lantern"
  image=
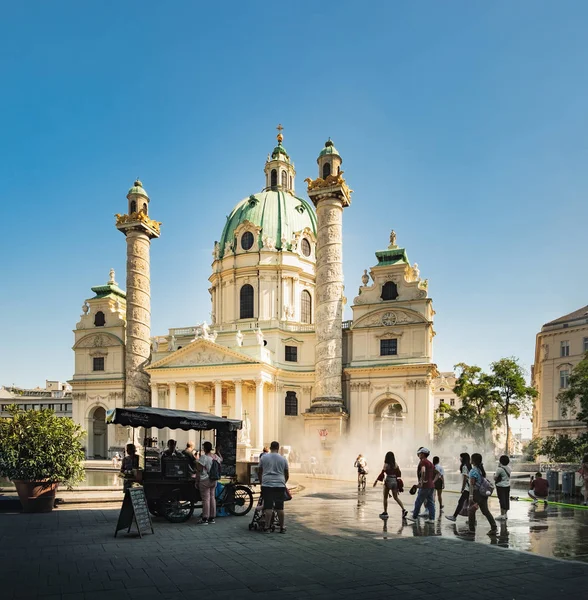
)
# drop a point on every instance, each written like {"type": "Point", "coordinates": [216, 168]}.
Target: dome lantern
{"type": "Point", "coordinates": [279, 169]}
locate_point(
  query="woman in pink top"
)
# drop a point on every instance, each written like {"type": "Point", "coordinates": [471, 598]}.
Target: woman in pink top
{"type": "Point", "coordinates": [389, 476]}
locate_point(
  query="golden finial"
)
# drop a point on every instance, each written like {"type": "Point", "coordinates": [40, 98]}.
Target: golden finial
{"type": "Point", "coordinates": [280, 136]}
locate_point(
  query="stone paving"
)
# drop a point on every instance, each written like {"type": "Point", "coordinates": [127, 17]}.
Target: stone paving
{"type": "Point", "coordinates": [72, 554]}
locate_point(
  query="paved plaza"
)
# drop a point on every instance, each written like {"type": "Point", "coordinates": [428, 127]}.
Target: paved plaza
{"type": "Point", "coordinates": [335, 547]}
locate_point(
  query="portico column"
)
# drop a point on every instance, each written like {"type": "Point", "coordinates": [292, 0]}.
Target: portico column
{"type": "Point", "coordinates": [259, 413]}
{"type": "Point", "coordinates": [191, 395]}
{"type": "Point", "coordinates": [238, 399]}
{"type": "Point", "coordinates": [154, 395]}
{"type": "Point", "coordinates": [218, 398]}
{"type": "Point", "coordinates": [172, 395]}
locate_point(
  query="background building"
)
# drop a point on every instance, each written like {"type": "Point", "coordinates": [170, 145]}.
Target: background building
{"type": "Point", "coordinates": [559, 347]}
{"type": "Point", "coordinates": [257, 359]}
{"type": "Point", "coordinates": [443, 386]}
{"type": "Point", "coordinates": [56, 395]}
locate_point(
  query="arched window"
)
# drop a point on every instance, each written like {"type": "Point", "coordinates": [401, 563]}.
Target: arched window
{"type": "Point", "coordinates": [389, 291]}
{"type": "Point", "coordinates": [99, 319]}
{"type": "Point", "coordinates": [305, 307]}
{"type": "Point", "coordinates": [274, 179]}
{"type": "Point", "coordinates": [246, 302]}
{"type": "Point", "coordinates": [284, 179]}
{"type": "Point", "coordinates": [326, 170]}
{"type": "Point", "coordinates": [305, 247]}
{"type": "Point", "coordinates": [291, 404]}
{"type": "Point", "coordinates": [145, 208]}
{"type": "Point", "coordinates": [247, 240]}
{"type": "Point", "coordinates": [133, 206]}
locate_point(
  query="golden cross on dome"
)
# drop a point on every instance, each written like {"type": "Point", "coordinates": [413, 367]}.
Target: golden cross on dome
{"type": "Point", "coordinates": [280, 129]}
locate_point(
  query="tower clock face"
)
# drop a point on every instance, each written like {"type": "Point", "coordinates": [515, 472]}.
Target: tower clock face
{"type": "Point", "coordinates": [389, 318]}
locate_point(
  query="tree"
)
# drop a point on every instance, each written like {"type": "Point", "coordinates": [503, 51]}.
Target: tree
{"type": "Point", "coordinates": [477, 415]}
{"type": "Point", "coordinates": [513, 396]}
{"type": "Point", "coordinates": [574, 399]}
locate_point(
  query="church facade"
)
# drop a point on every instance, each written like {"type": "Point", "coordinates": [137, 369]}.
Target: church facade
{"type": "Point", "coordinates": [276, 354]}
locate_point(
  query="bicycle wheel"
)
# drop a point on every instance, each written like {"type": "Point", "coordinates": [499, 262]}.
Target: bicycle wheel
{"type": "Point", "coordinates": [239, 500]}
{"type": "Point", "coordinates": [174, 509]}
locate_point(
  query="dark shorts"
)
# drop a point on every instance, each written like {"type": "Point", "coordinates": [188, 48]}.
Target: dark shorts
{"type": "Point", "coordinates": [439, 484]}
{"type": "Point", "coordinates": [503, 494]}
{"type": "Point", "coordinates": [273, 497]}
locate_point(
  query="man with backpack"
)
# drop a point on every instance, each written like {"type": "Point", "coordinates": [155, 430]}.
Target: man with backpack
{"type": "Point", "coordinates": [209, 468]}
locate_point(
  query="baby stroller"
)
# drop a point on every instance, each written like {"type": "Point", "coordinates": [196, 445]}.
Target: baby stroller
{"type": "Point", "coordinates": [258, 521]}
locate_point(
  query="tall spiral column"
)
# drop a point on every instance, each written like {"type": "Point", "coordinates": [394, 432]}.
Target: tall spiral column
{"type": "Point", "coordinates": [330, 195]}
{"type": "Point", "coordinates": [139, 230]}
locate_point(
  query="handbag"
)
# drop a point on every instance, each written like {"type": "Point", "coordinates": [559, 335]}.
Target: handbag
{"type": "Point", "coordinates": [486, 488]}
{"type": "Point", "coordinates": [413, 490]}
{"type": "Point", "coordinates": [287, 495]}
{"type": "Point", "coordinates": [400, 484]}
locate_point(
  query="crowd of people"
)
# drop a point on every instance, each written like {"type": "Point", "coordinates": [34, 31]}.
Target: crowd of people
{"type": "Point", "coordinates": [475, 492]}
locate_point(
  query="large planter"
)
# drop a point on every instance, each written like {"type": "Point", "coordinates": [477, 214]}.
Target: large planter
{"type": "Point", "coordinates": [36, 496]}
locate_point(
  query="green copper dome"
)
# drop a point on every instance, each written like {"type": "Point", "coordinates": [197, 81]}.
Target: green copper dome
{"type": "Point", "coordinates": [279, 149]}
{"type": "Point", "coordinates": [278, 213]}
{"type": "Point", "coordinates": [329, 149]}
{"type": "Point", "coordinates": [138, 189]}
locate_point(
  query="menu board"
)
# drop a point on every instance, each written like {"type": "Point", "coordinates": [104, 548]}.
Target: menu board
{"type": "Point", "coordinates": [152, 460]}
{"type": "Point", "coordinates": [226, 443]}
{"type": "Point", "coordinates": [134, 508]}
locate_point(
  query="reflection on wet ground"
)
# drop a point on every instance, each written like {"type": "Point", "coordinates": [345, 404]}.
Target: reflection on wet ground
{"type": "Point", "coordinates": [335, 507]}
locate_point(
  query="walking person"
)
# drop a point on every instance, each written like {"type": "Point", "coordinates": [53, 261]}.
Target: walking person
{"type": "Point", "coordinates": [465, 467]}
{"type": "Point", "coordinates": [502, 480]}
{"type": "Point", "coordinates": [390, 475]}
{"type": "Point", "coordinates": [476, 474]}
{"type": "Point", "coordinates": [273, 474]}
{"type": "Point", "coordinates": [209, 475]}
{"type": "Point", "coordinates": [426, 487]}
{"type": "Point", "coordinates": [583, 470]}
{"type": "Point", "coordinates": [439, 480]}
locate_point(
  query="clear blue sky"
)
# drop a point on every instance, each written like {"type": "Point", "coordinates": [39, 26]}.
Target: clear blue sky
{"type": "Point", "coordinates": [462, 125]}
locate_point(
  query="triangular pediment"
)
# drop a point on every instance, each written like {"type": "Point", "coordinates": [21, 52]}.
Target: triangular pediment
{"type": "Point", "coordinates": [201, 353]}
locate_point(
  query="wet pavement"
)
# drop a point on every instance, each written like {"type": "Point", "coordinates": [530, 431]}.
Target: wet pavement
{"type": "Point", "coordinates": [335, 547]}
{"type": "Point", "coordinates": [337, 508]}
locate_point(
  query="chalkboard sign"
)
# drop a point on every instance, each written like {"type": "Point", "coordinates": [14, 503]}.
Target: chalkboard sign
{"type": "Point", "coordinates": [134, 507]}
{"type": "Point", "coordinates": [152, 460]}
{"type": "Point", "coordinates": [226, 443]}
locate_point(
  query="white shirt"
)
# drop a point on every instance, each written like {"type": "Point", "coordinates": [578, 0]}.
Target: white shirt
{"type": "Point", "coordinates": [464, 471]}
{"type": "Point", "coordinates": [440, 470]}
{"type": "Point", "coordinates": [503, 473]}
{"type": "Point", "coordinates": [206, 461]}
{"type": "Point", "coordinates": [274, 467]}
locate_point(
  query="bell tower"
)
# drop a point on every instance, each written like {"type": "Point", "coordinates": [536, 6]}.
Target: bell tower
{"type": "Point", "coordinates": [139, 230]}
{"type": "Point", "coordinates": [330, 195]}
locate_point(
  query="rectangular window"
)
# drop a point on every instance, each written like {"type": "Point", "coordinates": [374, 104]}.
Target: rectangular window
{"type": "Point", "coordinates": [565, 348]}
{"type": "Point", "coordinates": [98, 363]}
{"type": "Point", "coordinates": [585, 344]}
{"type": "Point", "coordinates": [452, 402]}
{"type": "Point", "coordinates": [388, 347]}
{"type": "Point", "coordinates": [564, 378]}
{"type": "Point", "coordinates": [291, 353]}
{"type": "Point", "coordinates": [291, 404]}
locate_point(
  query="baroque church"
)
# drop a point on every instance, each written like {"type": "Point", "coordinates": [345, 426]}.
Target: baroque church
{"type": "Point", "coordinates": [277, 353]}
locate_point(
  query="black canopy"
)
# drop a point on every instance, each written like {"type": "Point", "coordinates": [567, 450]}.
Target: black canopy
{"type": "Point", "coordinates": [147, 416]}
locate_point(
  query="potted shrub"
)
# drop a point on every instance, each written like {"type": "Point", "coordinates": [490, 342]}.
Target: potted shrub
{"type": "Point", "coordinates": [38, 451]}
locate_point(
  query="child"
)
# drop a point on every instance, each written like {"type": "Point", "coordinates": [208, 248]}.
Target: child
{"type": "Point", "coordinates": [439, 480]}
{"type": "Point", "coordinates": [502, 480]}
{"type": "Point", "coordinates": [539, 488]}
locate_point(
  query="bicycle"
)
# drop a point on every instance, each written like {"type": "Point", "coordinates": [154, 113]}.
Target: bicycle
{"type": "Point", "coordinates": [361, 482]}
